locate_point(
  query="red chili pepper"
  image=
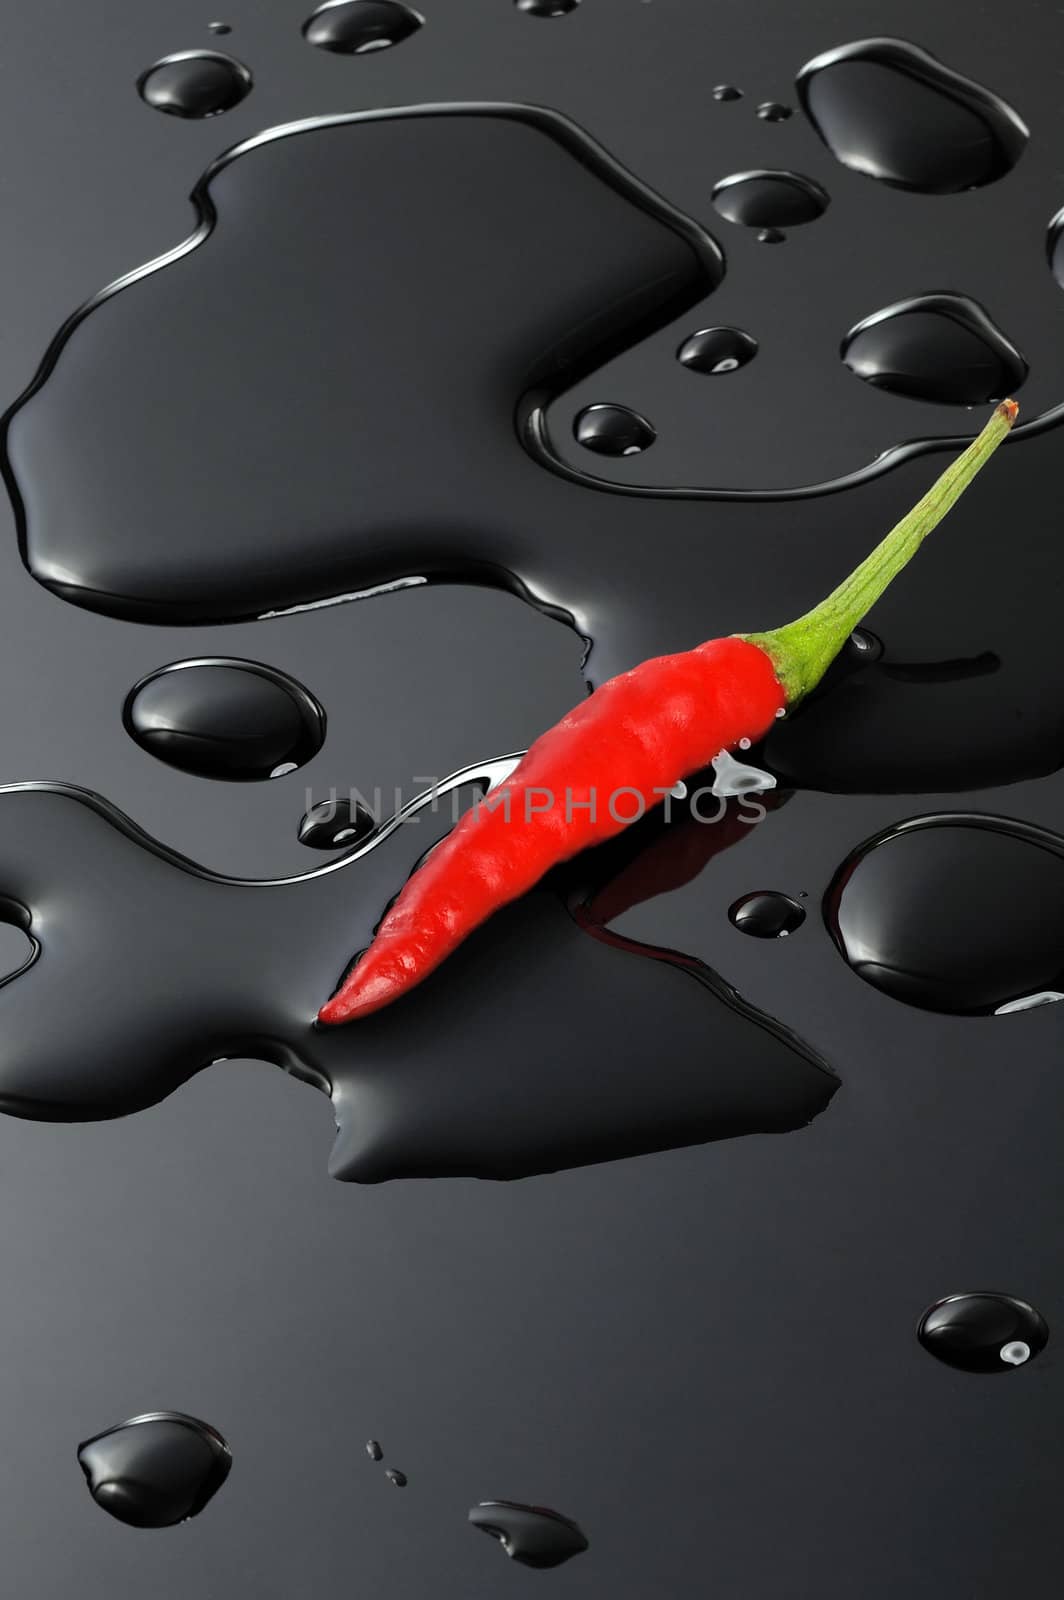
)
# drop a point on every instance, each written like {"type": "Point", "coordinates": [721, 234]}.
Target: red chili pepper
{"type": "Point", "coordinates": [618, 753]}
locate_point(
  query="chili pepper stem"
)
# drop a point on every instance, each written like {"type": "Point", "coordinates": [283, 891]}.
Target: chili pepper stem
{"type": "Point", "coordinates": [801, 651]}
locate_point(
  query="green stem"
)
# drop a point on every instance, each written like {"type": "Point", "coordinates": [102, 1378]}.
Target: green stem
{"type": "Point", "coordinates": [803, 650]}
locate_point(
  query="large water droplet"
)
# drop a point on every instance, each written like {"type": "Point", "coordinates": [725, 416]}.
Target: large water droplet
{"type": "Point", "coordinates": [767, 914]}
{"type": "Point", "coordinates": [336, 825]}
{"type": "Point", "coordinates": [531, 1535]}
{"type": "Point", "coordinates": [547, 8]}
{"type": "Point", "coordinates": [156, 1470]}
{"type": "Point", "coordinates": [983, 1332]}
{"type": "Point", "coordinates": [195, 83]}
{"type": "Point", "coordinates": [939, 347]}
{"type": "Point", "coordinates": [774, 111]}
{"type": "Point", "coordinates": [959, 912]}
{"type": "Point", "coordinates": [221, 718]}
{"type": "Point", "coordinates": [892, 111]}
{"type": "Point", "coordinates": [717, 350]}
{"type": "Point", "coordinates": [769, 199]}
{"type": "Point", "coordinates": [613, 431]}
{"type": "Point", "coordinates": [357, 27]}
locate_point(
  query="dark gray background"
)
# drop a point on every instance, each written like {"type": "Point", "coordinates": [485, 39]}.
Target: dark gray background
{"type": "Point", "coordinates": [706, 1357]}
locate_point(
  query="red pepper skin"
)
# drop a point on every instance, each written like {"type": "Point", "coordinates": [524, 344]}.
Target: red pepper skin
{"type": "Point", "coordinates": [642, 731]}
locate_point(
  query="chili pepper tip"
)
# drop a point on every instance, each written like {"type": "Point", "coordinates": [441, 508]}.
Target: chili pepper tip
{"type": "Point", "coordinates": [1009, 409]}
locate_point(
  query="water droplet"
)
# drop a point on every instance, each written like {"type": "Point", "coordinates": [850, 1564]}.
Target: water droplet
{"type": "Point", "coordinates": [939, 347]}
{"type": "Point", "coordinates": [726, 92]}
{"type": "Point", "coordinates": [195, 83]}
{"type": "Point", "coordinates": [770, 236]}
{"type": "Point", "coordinates": [1055, 247]}
{"type": "Point", "coordinates": [731, 777]}
{"type": "Point", "coordinates": [399, 1479]}
{"type": "Point", "coordinates": [983, 1333]}
{"type": "Point", "coordinates": [864, 645]}
{"type": "Point", "coordinates": [546, 8]}
{"type": "Point", "coordinates": [769, 199]}
{"type": "Point", "coordinates": [744, 744]}
{"type": "Point", "coordinates": [336, 824]}
{"type": "Point", "coordinates": [219, 27]}
{"type": "Point", "coordinates": [957, 912]}
{"type": "Point", "coordinates": [717, 350]}
{"type": "Point", "coordinates": [531, 1535]}
{"type": "Point", "coordinates": [894, 112]}
{"type": "Point", "coordinates": [613, 431]}
{"type": "Point", "coordinates": [230, 719]}
{"type": "Point", "coordinates": [373, 1450]}
{"type": "Point", "coordinates": [357, 27]}
{"type": "Point", "coordinates": [774, 111]}
{"type": "Point", "coordinates": [155, 1470]}
{"type": "Point", "coordinates": [766, 914]}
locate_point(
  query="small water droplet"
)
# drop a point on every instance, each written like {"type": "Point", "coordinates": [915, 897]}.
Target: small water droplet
{"type": "Point", "coordinates": [766, 914]}
{"type": "Point", "coordinates": [782, 712]}
{"type": "Point", "coordinates": [732, 778]}
{"type": "Point", "coordinates": [865, 644]}
{"type": "Point", "coordinates": [894, 112]}
{"type": "Point", "coordinates": [769, 199]}
{"type": "Point", "coordinates": [331, 823]}
{"type": "Point", "coordinates": [774, 111]}
{"type": "Point", "coordinates": [717, 350]}
{"type": "Point", "coordinates": [229, 719]}
{"type": "Point", "coordinates": [546, 8]}
{"type": "Point", "coordinates": [373, 1450]}
{"type": "Point", "coordinates": [399, 1479]}
{"type": "Point", "coordinates": [727, 91]}
{"type": "Point", "coordinates": [983, 1333]}
{"type": "Point", "coordinates": [195, 84]}
{"type": "Point", "coordinates": [219, 27]}
{"type": "Point", "coordinates": [613, 431]}
{"type": "Point", "coordinates": [359, 27]}
{"type": "Point", "coordinates": [770, 236]}
{"type": "Point", "coordinates": [531, 1535]}
{"type": "Point", "coordinates": [744, 744]}
{"type": "Point", "coordinates": [959, 912]}
{"type": "Point", "coordinates": [939, 347]}
{"type": "Point", "coordinates": [1055, 247]}
{"type": "Point", "coordinates": [155, 1470]}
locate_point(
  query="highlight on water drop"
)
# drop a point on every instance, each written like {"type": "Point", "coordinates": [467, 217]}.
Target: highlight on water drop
{"type": "Point", "coordinates": [361, 27]}
{"type": "Point", "coordinates": [766, 914]}
{"type": "Point", "coordinates": [195, 84]}
{"type": "Point", "coordinates": [769, 199]}
{"type": "Point", "coordinates": [983, 1333]}
{"type": "Point", "coordinates": [715, 351]}
{"type": "Point", "coordinates": [945, 348]}
{"type": "Point", "coordinates": [155, 1470]}
{"type": "Point", "coordinates": [612, 430]}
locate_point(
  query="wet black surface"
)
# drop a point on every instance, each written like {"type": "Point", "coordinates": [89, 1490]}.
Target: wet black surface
{"type": "Point", "coordinates": [660, 1344]}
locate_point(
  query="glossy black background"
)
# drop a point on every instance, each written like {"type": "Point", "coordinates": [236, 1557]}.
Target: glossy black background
{"type": "Point", "coordinates": [707, 1357]}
